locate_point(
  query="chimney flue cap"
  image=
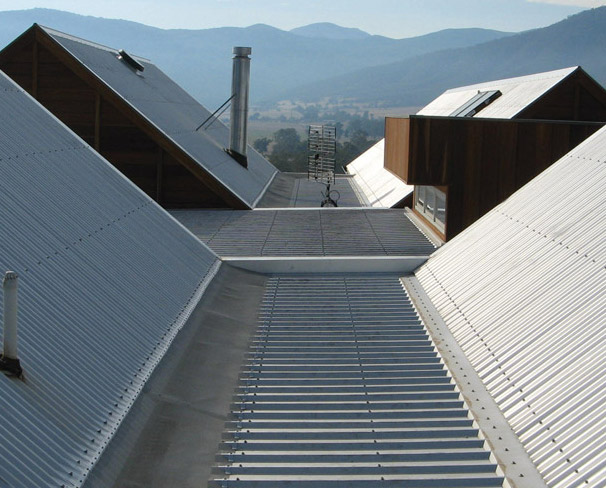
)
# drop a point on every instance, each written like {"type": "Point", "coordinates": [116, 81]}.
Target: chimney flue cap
{"type": "Point", "coordinates": [242, 51]}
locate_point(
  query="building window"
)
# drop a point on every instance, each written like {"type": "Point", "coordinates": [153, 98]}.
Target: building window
{"type": "Point", "coordinates": [431, 203]}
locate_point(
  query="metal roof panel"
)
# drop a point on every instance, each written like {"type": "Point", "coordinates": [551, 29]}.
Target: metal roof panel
{"type": "Point", "coordinates": [516, 94]}
{"type": "Point", "coordinates": [173, 111]}
{"type": "Point", "coordinates": [309, 232]}
{"type": "Point", "coordinates": [107, 279]}
{"type": "Point", "coordinates": [344, 387]}
{"type": "Point", "coordinates": [523, 292]}
{"type": "Point", "coordinates": [380, 186]}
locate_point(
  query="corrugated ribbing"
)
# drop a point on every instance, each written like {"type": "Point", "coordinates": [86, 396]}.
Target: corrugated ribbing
{"type": "Point", "coordinates": [106, 280]}
{"type": "Point", "coordinates": [344, 388]}
{"type": "Point", "coordinates": [523, 292]}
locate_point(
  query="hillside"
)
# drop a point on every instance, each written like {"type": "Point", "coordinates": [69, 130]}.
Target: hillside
{"type": "Point", "coordinates": [200, 60]}
{"type": "Point", "coordinates": [326, 30]}
{"type": "Point", "coordinates": [578, 40]}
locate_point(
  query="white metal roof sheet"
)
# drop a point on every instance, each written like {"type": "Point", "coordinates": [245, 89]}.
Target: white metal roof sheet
{"type": "Point", "coordinates": [343, 387]}
{"type": "Point", "coordinates": [310, 232]}
{"type": "Point", "coordinates": [107, 279]}
{"type": "Point", "coordinates": [168, 107]}
{"type": "Point", "coordinates": [289, 190]}
{"type": "Point", "coordinates": [516, 94]}
{"type": "Point", "coordinates": [523, 292]}
{"type": "Point", "coordinates": [380, 187]}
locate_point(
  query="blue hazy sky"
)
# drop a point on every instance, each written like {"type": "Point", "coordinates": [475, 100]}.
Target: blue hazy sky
{"type": "Point", "coordinates": [393, 18]}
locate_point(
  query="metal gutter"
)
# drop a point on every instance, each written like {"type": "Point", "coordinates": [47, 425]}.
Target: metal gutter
{"type": "Point", "coordinates": [343, 388]}
{"type": "Point", "coordinates": [332, 264]}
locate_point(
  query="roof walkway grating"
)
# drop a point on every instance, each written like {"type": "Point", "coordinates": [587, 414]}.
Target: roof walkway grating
{"type": "Point", "coordinates": [343, 387]}
{"type": "Point", "coordinates": [310, 232]}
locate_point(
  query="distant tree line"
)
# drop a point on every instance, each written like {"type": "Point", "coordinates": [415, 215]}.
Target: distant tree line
{"type": "Point", "coordinates": [288, 152]}
{"type": "Point", "coordinates": [346, 123]}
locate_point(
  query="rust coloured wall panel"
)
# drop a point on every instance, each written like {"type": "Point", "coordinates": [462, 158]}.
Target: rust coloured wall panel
{"type": "Point", "coordinates": [397, 146]}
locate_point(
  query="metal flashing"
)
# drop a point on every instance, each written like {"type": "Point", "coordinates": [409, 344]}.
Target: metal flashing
{"type": "Point", "coordinates": [333, 264]}
{"type": "Point", "coordinates": [96, 45]}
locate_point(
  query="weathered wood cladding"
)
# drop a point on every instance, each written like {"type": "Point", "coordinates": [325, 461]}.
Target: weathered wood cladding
{"type": "Point", "coordinates": [17, 61]}
{"type": "Point", "coordinates": [66, 95]}
{"type": "Point", "coordinates": [102, 119]}
{"type": "Point", "coordinates": [483, 161]}
{"type": "Point", "coordinates": [578, 97]}
{"type": "Point", "coordinates": [397, 146]}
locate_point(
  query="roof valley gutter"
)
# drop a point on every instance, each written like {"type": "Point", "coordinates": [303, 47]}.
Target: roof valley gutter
{"type": "Point", "coordinates": [173, 427]}
{"type": "Point", "coordinates": [264, 190]}
{"type": "Point", "coordinates": [181, 321]}
{"type": "Point", "coordinates": [423, 228]}
{"type": "Point", "coordinates": [504, 444]}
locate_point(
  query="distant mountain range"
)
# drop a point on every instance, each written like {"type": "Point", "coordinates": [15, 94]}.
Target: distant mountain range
{"type": "Point", "coordinates": [326, 30]}
{"type": "Point", "coordinates": [200, 60]}
{"type": "Point", "coordinates": [578, 40]}
{"type": "Point", "coordinates": [325, 60]}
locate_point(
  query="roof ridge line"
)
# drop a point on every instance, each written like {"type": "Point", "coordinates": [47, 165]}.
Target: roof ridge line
{"type": "Point", "coordinates": [50, 30]}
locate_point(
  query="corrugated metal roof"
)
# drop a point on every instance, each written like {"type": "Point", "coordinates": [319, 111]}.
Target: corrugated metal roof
{"type": "Point", "coordinates": [168, 107]}
{"type": "Point", "coordinates": [523, 292]}
{"type": "Point", "coordinates": [343, 387]}
{"type": "Point", "coordinates": [107, 279]}
{"type": "Point", "coordinates": [380, 186]}
{"type": "Point", "coordinates": [289, 190]}
{"type": "Point", "coordinates": [516, 94]}
{"type": "Point", "coordinates": [327, 232]}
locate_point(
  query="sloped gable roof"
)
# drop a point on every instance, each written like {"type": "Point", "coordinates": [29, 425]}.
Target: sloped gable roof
{"type": "Point", "coordinates": [522, 290]}
{"type": "Point", "coordinates": [381, 187]}
{"type": "Point", "coordinates": [165, 105]}
{"type": "Point", "coordinates": [516, 94]}
{"type": "Point", "coordinates": [107, 278]}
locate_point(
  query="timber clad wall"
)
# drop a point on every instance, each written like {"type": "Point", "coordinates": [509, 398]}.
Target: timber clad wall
{"type": "Point", "coordinates": [44, 71]}
{"type": "Point", "coordinates": [485, 158]}
{"type": "Point", "coordinates": [578, 97]}
{"type": "Point", "coordinates": [480, 161]}
{"type": "Point", "coordinates": [397, 145]}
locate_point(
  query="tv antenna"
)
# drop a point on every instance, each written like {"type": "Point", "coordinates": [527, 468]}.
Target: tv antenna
{"type": "Point", "coordinates": [321, 151]}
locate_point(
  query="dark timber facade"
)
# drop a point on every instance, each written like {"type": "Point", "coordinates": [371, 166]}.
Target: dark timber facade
{"type": "Point", "coordinates": [475, 163]}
